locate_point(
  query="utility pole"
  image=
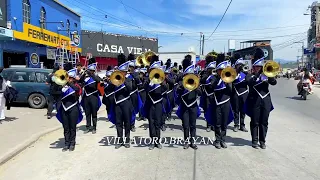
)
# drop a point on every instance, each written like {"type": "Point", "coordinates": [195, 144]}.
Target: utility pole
{"type": "Point", "coordinates": [202, 44]}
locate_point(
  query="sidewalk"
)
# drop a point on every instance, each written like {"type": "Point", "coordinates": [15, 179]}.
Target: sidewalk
{"type": "Point", "coordinates": [23, 127]}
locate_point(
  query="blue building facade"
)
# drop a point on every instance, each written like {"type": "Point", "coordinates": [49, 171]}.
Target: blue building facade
{"type": "Point", "coordinates": [38, 27]}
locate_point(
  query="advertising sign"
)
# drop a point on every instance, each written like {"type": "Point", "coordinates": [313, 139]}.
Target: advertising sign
{"type": "Point", "coordinates": [111, 45]}
{"type": "Point", "coordinates": [3, 13]}
{"type": "Point", "coordinates": [34, 59]}
{"type": "Point", "coordinates": [42, 36]}
{"type": "Point", "coordinates": [75, 38]}
{"type": "Point", "coordinates": [308, 51]}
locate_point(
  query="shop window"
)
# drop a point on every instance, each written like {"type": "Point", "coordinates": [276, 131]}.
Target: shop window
{"type": "Point", "coordinates": [26, 11]}
{"type": "Point", "coordinates": [43, 18]}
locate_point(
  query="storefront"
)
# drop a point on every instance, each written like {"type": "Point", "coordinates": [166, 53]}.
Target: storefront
{"type": "Point", "coordinates": [106, 47]}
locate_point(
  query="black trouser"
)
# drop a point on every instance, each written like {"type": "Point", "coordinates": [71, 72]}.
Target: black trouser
{"type": "Point", "coordinates": [91, 110]}
{"type": "Point", "coordinates": [259, 120]}
{"type": "Point", "coordinates": [123, 112]}
{"type": "Point", "coordinates": [134, 101]}
{"type": "Point", "coordinates": [221, 113]}
{"type": "Point", "coordinates": [189, 117]}
{"type": "Point", "coordinates": [143, 96]}
{"type": "Point", "coordinates": [69, 119]}
{"type": "Point", "coordinates": [51, 100]}
{"type": "Point", "coordinates": [164, 115]}
{"type": "Point", "coordinates": [238, 109]}
{"type": "Point", "coordinates": [171, 101]}
{"type": "Point", "coordinates": [154, 117]}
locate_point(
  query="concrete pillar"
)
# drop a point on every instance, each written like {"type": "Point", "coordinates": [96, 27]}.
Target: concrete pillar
{"type": "Point", "coordinates": [1, 57]}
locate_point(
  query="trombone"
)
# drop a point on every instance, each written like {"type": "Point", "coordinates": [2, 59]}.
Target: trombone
{"type": "Point", "coordinates": [271, 69]}
{"type": "Point", "coordinates": [191, 82]}
{"type": "Point", "coordinates": [117, 78]}
{"type": "Point", "coordinates": [228, 75]}
{"type": "Point", "coordinates": [157, 76]}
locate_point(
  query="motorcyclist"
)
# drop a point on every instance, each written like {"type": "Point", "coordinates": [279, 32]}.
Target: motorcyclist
{"type": "Point", "coordinates": [305, 77]}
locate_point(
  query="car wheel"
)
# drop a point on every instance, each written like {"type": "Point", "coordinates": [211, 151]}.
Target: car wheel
{"type": "Point", "coordinates": [37, 101]}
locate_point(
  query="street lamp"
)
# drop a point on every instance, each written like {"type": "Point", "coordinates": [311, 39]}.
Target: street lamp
{"type": "Point", "coordinates": [302, 57]}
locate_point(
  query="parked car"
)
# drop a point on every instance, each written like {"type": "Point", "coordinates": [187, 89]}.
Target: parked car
{"type": "Point", "coordinates": [30, 84]}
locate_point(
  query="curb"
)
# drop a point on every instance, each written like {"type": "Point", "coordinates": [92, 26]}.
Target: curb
{"type": "Point", "coordinates": [21, 147]}
{"type": "Point", "coordinates": [16, 150]}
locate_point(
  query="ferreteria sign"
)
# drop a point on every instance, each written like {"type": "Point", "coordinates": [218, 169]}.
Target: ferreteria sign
{"type": "Point", "coordinates": [42, 36]}
{"type": "Point", "coordinates": [100, 44]}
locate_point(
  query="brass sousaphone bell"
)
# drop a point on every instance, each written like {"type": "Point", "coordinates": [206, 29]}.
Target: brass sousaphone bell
{"type": "Point", "coordinates": [139, 60]}
{"type": "Point", "coordinates": [228, 75]}
{"type": "Point", "coordinates": [157, 76]}
{"type": "Point", "coordinates": [147, 57]}
{"type": "Point", "coordinates": [61, 77]}
{"type": "Point", "coordinates": [271, 68]}
{"type": "Point", "coordinates": [117, 78]}
{"type": "Point", "coordinates": [191, 82]}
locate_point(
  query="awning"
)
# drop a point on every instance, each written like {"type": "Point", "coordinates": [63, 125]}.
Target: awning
{"type": "Point", "coordinates": [6, 34]}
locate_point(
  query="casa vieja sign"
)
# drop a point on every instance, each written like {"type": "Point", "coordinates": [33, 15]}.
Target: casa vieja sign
{"type": "Point", "coordinates": [100, 44]}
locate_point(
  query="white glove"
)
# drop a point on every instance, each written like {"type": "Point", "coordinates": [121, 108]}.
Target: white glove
{"type": "Point", "coordinates": [8, 83]}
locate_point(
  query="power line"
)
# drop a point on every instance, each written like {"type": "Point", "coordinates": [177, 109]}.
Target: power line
{"type": "Point", "coordinates": [225, 12]}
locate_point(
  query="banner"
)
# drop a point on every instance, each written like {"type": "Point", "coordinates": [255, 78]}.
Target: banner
{"type": "Point", "coordinates": [42, 36]}
{"type": "Point", "coordinates": [100, 44]}
{"type": "Point", "coordinates": [3, 13]}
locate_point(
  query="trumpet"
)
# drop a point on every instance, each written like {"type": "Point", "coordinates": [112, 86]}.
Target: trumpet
{"type": "Point", "coordinates": [191, 82]}
{"type": "Point", "coordinates": [117, 78]}
{"type": "Point", "coordinates": [61, 77]}
{"type": "Point", "coordinates": [271, 69]}
{"type": "Point", "coordinates": [139, 60]}
{"type": "Point", "coordinates": [146, 59]}
{"type": "Point", "coordinates": [245, 68]}
{"type": "Point", "coordinates": [157, 76]}
{"type": "Point", "coordinates": [228, 75]}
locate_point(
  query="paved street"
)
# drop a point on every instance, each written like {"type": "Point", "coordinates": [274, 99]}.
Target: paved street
{"type": "Point", "coordinates": [292, 152]}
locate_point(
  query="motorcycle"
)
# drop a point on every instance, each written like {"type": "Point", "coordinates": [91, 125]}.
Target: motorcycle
{"type": "Point", "coordinates": [305, 91]}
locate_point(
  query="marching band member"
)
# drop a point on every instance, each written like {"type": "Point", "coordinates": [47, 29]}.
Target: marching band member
{"type": "Point", "coordinates": [91, 100]}
{"type": "Point", "coordinates": [188, 110]}
{"type": "Point", "coordinates": [153, 108]}
{"type": "Point", "coordinates": [170, 79]}
{"type": "Point", "coordinates": [259, 104]}
{"type": "Point", "coordinates": [208, 90]}
{"type": "Point", "coordinates": [220, 108]}
{"type": "Point", "coordinates": [121, 110]}
{"type": "Point", "coordinates": [142, 92]}
{"type": "Point", "coordinates": [135, 97]}
{"type": "Point", "coordinates": [240, 94]}
{"type": "Point", "coordinates": [69, 113]}
{"type": "Point", "coordinates": [165, 100]}
{"type": "Point", "coordinates": [108, 97]}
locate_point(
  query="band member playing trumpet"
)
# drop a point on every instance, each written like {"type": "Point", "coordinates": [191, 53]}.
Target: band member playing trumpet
{"type": "Point", "coordinates": [135, 97]}
{"type": "Point", "coordinates": [240, 93]}
{"type": "Point", "coordinates": [221, 107]}
{"type": "Point", "coordinates": [122, 109]}
{"type": "Point", "coordinates": [91, 101]}
{"type": "Point", "coordinates": [69, 113]}
{"type": "Point", "coordinates": [259, 104]}
{"type": "Point", "coordinates": [188, 111]}
{"type": "Point", "coordinates": [153, 108]}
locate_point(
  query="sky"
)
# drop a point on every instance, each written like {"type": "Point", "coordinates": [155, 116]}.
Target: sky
{"type": "Point", "coordinates": [178, 23]}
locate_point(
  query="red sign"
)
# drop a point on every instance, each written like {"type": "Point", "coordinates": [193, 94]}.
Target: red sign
{"type": "Point", "coordinates": [317, 45]}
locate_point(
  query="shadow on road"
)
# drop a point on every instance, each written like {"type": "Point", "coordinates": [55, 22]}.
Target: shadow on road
{"type": "Point", "coordinates": [238, 141]}
{"type": "Point", "coordinates": [295, 98]}
{"type": "Point", "coordinates": [57, 144]}
{"type": "Point", "coordinates": [8, 119]}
